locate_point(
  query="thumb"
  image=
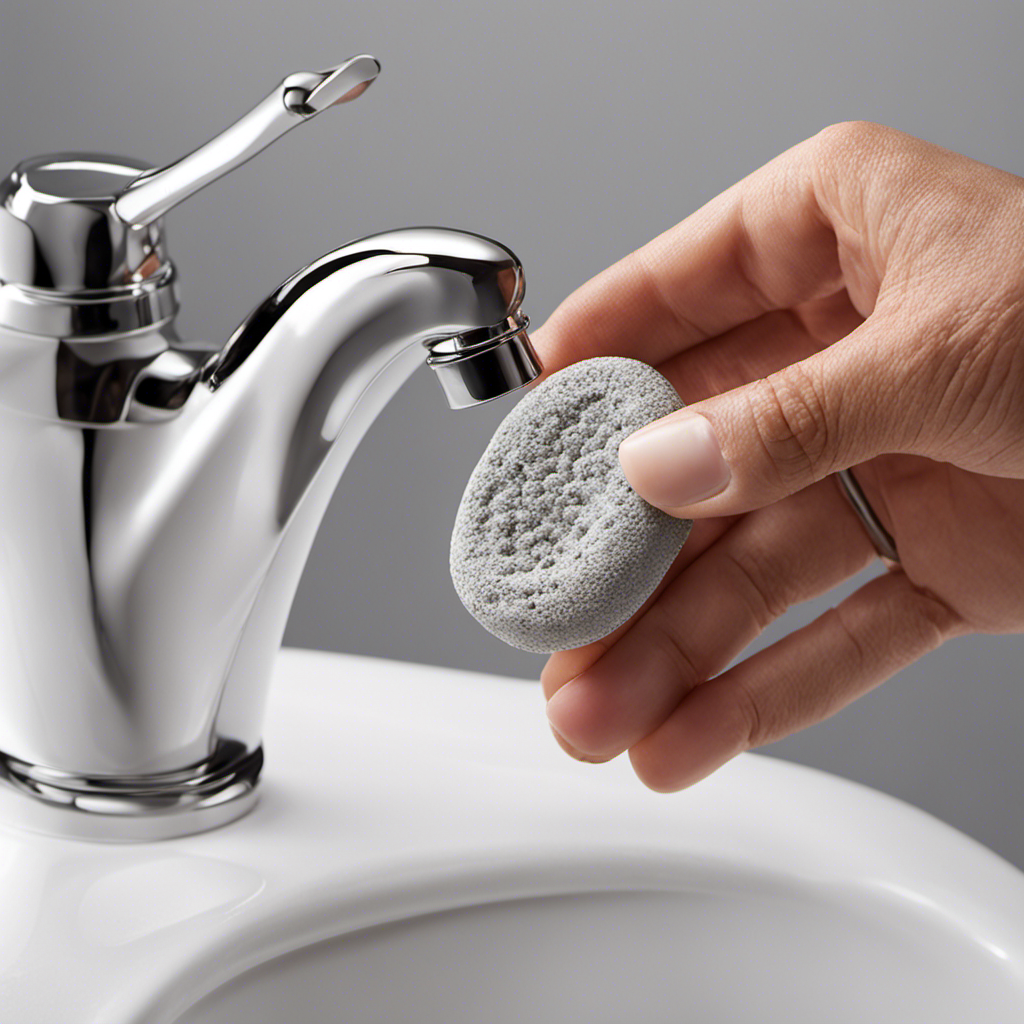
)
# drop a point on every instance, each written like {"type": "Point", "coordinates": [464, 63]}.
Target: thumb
{"type": "Point", "coordinates": [758, 443]}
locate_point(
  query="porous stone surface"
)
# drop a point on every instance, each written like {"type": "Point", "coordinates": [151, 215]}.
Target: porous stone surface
{"type": "Point", "coordinates": [552, 548]}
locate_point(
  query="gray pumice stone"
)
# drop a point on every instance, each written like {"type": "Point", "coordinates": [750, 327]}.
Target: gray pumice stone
{"type": "Point", "coordinates": [552, 549]}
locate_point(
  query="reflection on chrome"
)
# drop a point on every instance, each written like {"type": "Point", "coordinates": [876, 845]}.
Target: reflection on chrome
{"type": "Point", "coordinates": [159, 498]}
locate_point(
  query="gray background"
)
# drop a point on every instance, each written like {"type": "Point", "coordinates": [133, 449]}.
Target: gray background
{"type": "Point", "coordinates": [573, 132]}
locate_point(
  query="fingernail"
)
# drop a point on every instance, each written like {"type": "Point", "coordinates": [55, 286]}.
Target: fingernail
{"type": "Point", "coordinates": [675, 461]}
{"type": "Point", "coordinates": [573, 752]}
{"type": "Point", "coordinates": [552, 712]}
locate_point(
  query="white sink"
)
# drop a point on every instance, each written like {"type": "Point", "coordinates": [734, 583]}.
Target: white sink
{"type": "Point", "coordinates": [423, 852]}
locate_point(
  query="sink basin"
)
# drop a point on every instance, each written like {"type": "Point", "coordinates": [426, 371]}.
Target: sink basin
{"type": "Point", "coordinates": [707, 955]}
{"type": "Point", "coordinates": [423, 852]}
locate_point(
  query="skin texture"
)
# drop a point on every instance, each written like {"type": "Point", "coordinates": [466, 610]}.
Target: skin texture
{"type": "Point", "coordinates": [856, 302]}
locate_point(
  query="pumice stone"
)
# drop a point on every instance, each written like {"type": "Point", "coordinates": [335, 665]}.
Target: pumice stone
{"type": "Point", "coordinates": [552, 549]}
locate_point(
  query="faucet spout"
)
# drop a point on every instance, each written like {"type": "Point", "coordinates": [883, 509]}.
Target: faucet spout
{"type": "Point", "coordinates": [332, 344]}
{"type": "Point", "coordinates": [198, 525]}
{"type": "Point", "coordinates": [322, 355]}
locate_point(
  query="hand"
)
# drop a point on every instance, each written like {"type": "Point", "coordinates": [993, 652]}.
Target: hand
{"type": "Point", "coordinates": [858, 301]}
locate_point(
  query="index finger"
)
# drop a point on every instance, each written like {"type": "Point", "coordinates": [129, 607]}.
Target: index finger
{"type": "Point", "coordinates": [763, 244]}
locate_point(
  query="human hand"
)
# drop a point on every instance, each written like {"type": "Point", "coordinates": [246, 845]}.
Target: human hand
{"type": "Point", "coordinates": [858, 301]}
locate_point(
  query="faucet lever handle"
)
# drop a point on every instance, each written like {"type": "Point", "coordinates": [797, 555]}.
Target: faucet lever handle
{"type": "Point", "coordinates": [309, 92]}
{"type": "Point", "coordinates": [299, 97]}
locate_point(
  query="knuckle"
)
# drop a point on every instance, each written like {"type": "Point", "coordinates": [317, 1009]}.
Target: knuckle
{"type": "Point", "coordinates": [857, 654]}
{"type": "Point", "coordinates": [791, 420]}
{"type": "Point", "coordinates": [858, 167]}
{"type": "Point", "coordinates": [935, 621]}
{"type": "Point", "coordinates": [752, 720]}
{"type": "Point", "coordinates": [851, 138]}
{"type": "Point", "coordinates": [758, 586]}
{"type": "Point", "coordinates": [662, 635]}
{"type": "Point", "coordinates": [907, 622]}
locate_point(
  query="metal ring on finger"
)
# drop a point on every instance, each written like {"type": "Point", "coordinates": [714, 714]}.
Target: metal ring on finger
{"type": "Point", "coordinates": [880, 536]}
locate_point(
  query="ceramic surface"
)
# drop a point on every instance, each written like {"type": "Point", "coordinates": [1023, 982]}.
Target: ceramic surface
{"type": "Point", "coordinates": [424, 852]}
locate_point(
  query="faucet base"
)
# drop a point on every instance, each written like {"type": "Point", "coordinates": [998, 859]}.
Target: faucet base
{"type": "Point", "coordinates": [138, 808]}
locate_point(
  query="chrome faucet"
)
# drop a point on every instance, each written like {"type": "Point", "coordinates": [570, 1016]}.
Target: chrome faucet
{"type": "Point", "coordinates": [158, 498]}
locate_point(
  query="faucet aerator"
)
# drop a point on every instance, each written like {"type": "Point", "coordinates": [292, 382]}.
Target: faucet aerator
{"type": "Point", "coordinates": [474, 369]}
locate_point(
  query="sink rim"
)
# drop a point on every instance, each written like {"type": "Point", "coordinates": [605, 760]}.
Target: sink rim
{"type": "Point", "coordinates": [336, 794]}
